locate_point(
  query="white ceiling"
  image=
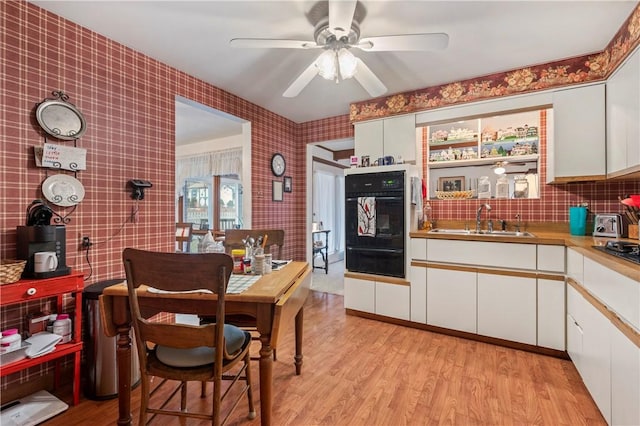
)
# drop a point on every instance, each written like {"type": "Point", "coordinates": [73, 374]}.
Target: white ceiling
{"type": "Point", "coordinates": [197, 123]}
{"type": "Point", "coordinates": [485, 37]}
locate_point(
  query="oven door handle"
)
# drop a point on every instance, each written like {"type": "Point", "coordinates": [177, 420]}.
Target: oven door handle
{"type": "Point", "coordinates": [376, 250]}
{"type": "Point", "coordinates": [377, 198]}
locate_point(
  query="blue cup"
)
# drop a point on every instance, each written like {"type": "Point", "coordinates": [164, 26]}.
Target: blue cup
{"type": "Point", "coordinates": [577, 220]}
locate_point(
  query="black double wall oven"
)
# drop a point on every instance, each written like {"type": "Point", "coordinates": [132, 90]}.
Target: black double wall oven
{"type": "Point", "coordinates": [380, 251]}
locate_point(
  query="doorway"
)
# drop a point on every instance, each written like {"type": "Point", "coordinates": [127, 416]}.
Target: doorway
{"type": "Point", "coordinates": [326, 162]}
{"type": "Point", "coordinates": [211, 149]}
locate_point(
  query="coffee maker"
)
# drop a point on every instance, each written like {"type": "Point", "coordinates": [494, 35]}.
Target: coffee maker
{"type": "Point", "coordinates": [39, 236]}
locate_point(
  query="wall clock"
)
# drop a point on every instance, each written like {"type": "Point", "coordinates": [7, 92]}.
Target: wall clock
{"type": "Point", "coordinates": [278, 164]}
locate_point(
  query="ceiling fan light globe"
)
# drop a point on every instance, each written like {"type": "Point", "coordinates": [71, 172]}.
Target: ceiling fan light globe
{"type": "Point", "coordinates": [326, 64]}
{"type": "Point", "coordinates": [347, 63]}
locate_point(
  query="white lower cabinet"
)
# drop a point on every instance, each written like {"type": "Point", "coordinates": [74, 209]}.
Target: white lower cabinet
{"type": "Point", "coordinates": [625, 380]}
{"type": "Point", "coordinates": [574, 342]}
{"type": "Point", "coordinates": [359, 295]}
{"type": "Point", "coordinates": [551, 314]}
{"type": "Point", "coordinates": [418, 278]}
{"type": "Point", "coordinates": [592, 357]}
{"type": "Point", "coordinates": [507, 307]}
{"type": "Point", "coordinates": [392, 300]}
{"type": "Point", "coordinates": [451, 299]}
{"type": "Point", "coordinates": [596, 352]}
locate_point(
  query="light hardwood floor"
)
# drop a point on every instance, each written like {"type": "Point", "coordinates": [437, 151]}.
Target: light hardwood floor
{"type": "Point", "coordinates": [363, 372]}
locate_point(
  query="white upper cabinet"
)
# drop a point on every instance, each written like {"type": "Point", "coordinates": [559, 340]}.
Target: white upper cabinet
{"type": "Point", "coordinates": [368, 137]}
{"type": "Point", "coordinates": [400, 137]}
{"type": "Point", "coordinates": [623, 119]}
{"type": "Point", "coordinates": [395, 136]}
{"type": "Point", "coordinates": [577, 150]}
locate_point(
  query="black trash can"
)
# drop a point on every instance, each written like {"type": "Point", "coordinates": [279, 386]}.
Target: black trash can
{"type": "Point", "coordinates": [100, 351]}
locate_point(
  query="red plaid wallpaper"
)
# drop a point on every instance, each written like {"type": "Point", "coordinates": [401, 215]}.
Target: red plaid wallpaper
{"type": "Point", "coordinates": [127, 100]}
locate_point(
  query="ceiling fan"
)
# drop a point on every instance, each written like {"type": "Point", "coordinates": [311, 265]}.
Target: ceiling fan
{"type": "Point", "coordinates": [337, 32]}
{"type": "Point", "coordinates": [500, 167]}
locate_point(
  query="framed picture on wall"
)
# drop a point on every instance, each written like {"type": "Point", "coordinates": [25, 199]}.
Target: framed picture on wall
{"type": "Point", "coordinates": [451, 183]}
{"type": "Point", "coordinates": [276, 190]}
{"type": "Point", "coordinates": [288, 184]}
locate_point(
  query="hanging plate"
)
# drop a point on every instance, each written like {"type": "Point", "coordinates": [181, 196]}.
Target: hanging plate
{"type": "Point", "coordinates": [60, 119]}
{"type": "Point", "coordinates": [63, 190]}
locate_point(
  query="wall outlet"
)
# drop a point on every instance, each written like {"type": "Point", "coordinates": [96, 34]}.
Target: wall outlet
{"type": "Point", "coordinates": [86, 243]}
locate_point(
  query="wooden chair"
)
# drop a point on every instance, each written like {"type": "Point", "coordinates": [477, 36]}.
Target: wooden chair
{"type": "Point", "coordinates": [275, 237]}
{"type": "Point", "coordinates": [233, 240]}
{"type": "Point", "coordinates": [181, 352]}
{"type": "Point", "coordinates": [184, 233]}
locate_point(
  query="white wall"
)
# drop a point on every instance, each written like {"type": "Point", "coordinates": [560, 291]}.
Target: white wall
{"type": "Point", "coordinates": [209, 145]}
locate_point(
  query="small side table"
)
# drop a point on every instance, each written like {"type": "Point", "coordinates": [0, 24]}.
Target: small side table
{"type": "Point", "coordinates": [322, 249]}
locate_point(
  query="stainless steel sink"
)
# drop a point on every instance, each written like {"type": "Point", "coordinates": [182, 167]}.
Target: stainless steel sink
{"type": "Point", "coordinates": [448, 231]}
{"type": "Point", "coordinates": [452, 231]}
{"type": "Point", "coordinates": [507, 234]}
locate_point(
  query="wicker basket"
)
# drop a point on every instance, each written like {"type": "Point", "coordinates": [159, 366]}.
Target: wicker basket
{"type": "Point", "coordinates": [11, 270]}
{"type": "Point", "coordinates": [454, 195]}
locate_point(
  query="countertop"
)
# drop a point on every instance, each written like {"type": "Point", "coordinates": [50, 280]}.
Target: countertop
{"type": "Point", "coordinates": [583, 245]}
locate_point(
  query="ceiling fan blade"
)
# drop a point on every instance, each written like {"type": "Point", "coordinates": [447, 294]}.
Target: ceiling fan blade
{"type": "Point", "coordinates": [271, 43]}
{"type": "Point", "coordinates": [302, 81]}
{"type": "Point", "coordinates": [369, 80]}
{"type": "Point", "coordinates": [408, 42]}
{"type": "Point", "coordinates": [340, 16]}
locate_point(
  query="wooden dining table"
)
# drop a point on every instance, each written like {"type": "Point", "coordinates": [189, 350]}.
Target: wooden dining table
{"type": "Point", "coordinates": [275, 301]}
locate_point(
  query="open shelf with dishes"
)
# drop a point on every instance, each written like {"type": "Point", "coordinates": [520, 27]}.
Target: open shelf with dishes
{"type": "Point", "coordinates": [460, 152]}
{"type": "Point", "coordinates": [484, 140]}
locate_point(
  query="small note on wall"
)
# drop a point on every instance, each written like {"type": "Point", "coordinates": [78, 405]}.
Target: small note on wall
{"type": "Point", "coordinates": [61, 157]}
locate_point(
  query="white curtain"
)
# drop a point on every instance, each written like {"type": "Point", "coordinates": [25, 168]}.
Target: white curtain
{"type": "Point", "coordinates": [325, 203]}
{"type": "Point", "coordinates": [214, 163]}
{"type": "Point", "coordinates": [339, 218]}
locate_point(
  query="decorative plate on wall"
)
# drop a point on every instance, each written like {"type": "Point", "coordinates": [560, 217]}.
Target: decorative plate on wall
{"type": "Point", "coordinates": [63, 190]}
{"type": "Point", "coordinates": [60, 119]}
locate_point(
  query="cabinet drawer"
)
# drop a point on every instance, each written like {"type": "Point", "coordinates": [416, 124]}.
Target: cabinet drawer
{"type": "Point", "coordinates": [26, 290]}
{"type": "Point", "coordinates": [551, 258]}
{"type": "Point", "coordinates": [511, 255]}
{"type": "Point", "coordinates": [418, 248]}
{"type": "Point", "coordinates": [575, 266]}
{"type": "Point", "coordinates": [621, 294]}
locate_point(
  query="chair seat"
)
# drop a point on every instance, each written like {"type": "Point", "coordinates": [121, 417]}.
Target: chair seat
{"type": "Point", "coordinates": [235, 339]}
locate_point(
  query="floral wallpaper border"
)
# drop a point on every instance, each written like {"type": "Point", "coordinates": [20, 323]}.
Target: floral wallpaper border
{"type": "Point", "coordinates": [581, 69]}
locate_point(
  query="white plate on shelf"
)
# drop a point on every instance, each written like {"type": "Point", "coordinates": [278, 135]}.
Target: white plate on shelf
{"type": "Point", "coordinates": [63, 190]}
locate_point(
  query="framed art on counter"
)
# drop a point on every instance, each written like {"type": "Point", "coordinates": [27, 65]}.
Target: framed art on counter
{"type": "Point", "coordinates": [451, 183]}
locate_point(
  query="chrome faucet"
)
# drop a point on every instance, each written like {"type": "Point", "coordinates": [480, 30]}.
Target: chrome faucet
{"type": "Point", "coordinates": [479, 213]}
{"type": "Point", "coordinates": [518, 222]}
